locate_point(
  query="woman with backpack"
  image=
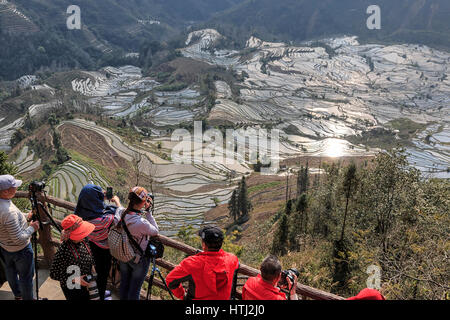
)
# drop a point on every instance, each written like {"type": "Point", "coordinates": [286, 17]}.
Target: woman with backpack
{"type": "Point", "coordinates": [140, 228]}
{"type": "Point", "coordinates": [73, 261]}
{"type": "Point", "coordinates": [91, 207]}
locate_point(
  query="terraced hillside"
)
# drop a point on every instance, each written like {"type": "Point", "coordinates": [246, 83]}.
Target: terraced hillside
{"type": "Point", "coordinates": [27, 161]}
{"type": "Point", "coordinates": [334, 88]}
{"type": "Point", "coordinates": [67, 182]}
{"type": "Point", "coordinates": [183, 191]}
{"type": "Point", "coordinates": [332, 98]}
{"type": "Point", "coordinates": [14, 21]}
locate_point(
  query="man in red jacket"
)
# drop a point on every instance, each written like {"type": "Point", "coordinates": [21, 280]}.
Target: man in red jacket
{"type": "Point", "coordinates": [264, 285]}
{"type": "Point", "coordinates": [211, 274]}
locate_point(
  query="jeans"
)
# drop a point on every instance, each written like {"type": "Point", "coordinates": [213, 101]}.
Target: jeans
{"type": "Point", "coordinates": [132, 277]}
{"type": "Point", "coordinates": [20, 271]}
{"type": "Point", "coordinates": [102, 258]}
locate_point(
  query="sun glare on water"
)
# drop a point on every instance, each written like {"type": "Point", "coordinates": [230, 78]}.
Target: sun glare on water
{"type": "Point", "coordinates": [334, 148]}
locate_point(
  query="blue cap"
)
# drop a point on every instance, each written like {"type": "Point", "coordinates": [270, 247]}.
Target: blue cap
{"type": "Point", "coordinates": [7, 181]}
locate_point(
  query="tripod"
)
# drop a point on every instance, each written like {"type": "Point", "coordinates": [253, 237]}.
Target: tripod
{"type": "Point", "coordinates": [152, 276]}
{"type": "Point", "coordinates": [35, 204]}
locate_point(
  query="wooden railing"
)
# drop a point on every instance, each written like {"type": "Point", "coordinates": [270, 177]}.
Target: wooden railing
{"type": "Point", "coordinates": [49, 244]}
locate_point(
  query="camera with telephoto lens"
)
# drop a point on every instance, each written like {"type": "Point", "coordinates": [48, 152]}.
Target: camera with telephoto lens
{"type": "Point", "coordinates": [36, 186]}
{"type": "Point", "coordinates": [92, 287]}
{"type": "Point", "coordinates": [285, 274]}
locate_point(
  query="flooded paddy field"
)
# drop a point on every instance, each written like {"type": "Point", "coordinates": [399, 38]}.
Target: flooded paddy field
{"type": "Point", "coordinates": [336, 89]}
{"type": "Point", "coordinates": [317, 94]}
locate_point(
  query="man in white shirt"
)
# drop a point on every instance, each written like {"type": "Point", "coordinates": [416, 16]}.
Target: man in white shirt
{"type": "Point", "coordinates": [15, 246]}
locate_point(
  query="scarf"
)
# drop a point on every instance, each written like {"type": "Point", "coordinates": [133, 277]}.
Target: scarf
{"type": "Point", "coordinates": [90, 203]}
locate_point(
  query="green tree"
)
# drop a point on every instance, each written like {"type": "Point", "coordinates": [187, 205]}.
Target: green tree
{"type": "Point", "coordinates": [5, 166]}
{"type": "Point", "coordinates": [244, 203]}
{"type": "Point", "coordinates": [349, 186]}
{"type": "Point", "coordinates": [298, 222]}
{"type": "Point", "coordinates": [47, 169]}
{"type": "Point", "coordinates": [53, 120]}
{"type": "Point", "coordinates": [388, 190]}
{"type": "Point", "coordinates": [233, 205]}
{"type": "Point", "coordinates": [62, 155]}
{"type": "Point", "coordinates": [280, 240]}
{"type": "Point", "coordinates": [28, 123]}
{"type": "Point", "coordinates": [289, 207]}
{"type": "Point", "coordinates": [17, 137]}
{"type": "Point", "coordinates": [302, 180]}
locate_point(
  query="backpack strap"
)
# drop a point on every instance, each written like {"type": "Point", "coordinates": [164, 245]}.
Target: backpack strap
{"type": "Point", "coordinates": [74, 250]}
{"type": "Point", "coordinates": [130, 237]}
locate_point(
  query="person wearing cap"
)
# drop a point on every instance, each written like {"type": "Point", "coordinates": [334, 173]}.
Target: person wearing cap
{"type": "Point", "coordinates": [211, 274]}
{"type": "Point", "coordinates": [91, 207]}
{"type": "Point", "coordinates": [141, 228]}
{"type": "Point", "coordinates": [15, 245]}
{"type": "Point", "coordinates": [265, 285]}
{"type": "Point", "coordinates": [73, 252]}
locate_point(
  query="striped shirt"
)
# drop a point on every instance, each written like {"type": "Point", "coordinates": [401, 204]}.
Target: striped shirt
{"type": "Point", "coordinates": [15, 233]}
{"type": "Point", "coordinates": [100, 234]}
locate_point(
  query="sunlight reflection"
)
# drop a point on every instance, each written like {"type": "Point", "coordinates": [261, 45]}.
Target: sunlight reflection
{"type": "Point", "coordinates": [334, 148]}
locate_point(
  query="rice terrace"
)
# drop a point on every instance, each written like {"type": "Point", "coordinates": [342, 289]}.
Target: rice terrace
{"type": "Point", "coordinates": [294, 128]}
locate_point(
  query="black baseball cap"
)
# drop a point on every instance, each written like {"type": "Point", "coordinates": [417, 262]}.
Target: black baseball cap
{"type": "Point", "coordinates": [211, 234]}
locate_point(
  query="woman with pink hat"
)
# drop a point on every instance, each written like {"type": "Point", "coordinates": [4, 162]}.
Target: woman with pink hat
{"type": "Point", "coordinates": [73, 260]}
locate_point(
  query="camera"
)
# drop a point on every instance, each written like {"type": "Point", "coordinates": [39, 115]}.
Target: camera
{"type": "Point", "coordinates": [149, 195]}
{"type": "Point", "coordinates": [151, 251]}
{"type": "Point", "coordinates": [92, 287]}
{"type": "Point", "coordinates": [109, 193]}
{"type": "Point", "coordinates": [36, 186]}
{"type": "Point", "coordinates": [288, 274]}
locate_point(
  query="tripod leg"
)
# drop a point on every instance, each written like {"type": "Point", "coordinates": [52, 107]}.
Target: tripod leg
{"type": "Point", "coordinates": [150, 281]}
{"type": "Point", "coordinates": [49, 216]}
{"type": "Point", "coordinates": [165, 284]}
{"type": "Point", "coordinates": [36, 267]}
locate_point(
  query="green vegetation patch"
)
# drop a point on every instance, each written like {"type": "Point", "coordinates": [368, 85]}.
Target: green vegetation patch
{"type": "Point", "coordinates": [386, 138]}
{"type": "Point", "coordinates": [407, 127]}
{"type": "Point", "coordinates": [79, 158]}
{"type": "Point", "coordinates": [264, 186]}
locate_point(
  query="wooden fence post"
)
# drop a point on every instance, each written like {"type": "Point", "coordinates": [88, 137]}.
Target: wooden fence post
{"type": "Point", "coordinates": [45, 236]}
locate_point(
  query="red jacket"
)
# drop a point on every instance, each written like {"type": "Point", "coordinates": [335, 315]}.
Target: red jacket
{"type": "Point", "coordinates": [211, 276]}
{"type": "Point", "coordinates": [368, 294]}
{"type": "Point", "coordinates": [257, 289]}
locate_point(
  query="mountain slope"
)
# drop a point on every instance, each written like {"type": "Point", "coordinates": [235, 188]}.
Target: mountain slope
{"type": "Point", "coordinates": [36, 31]}
{"type": "Point", "coordinates": [414, 21]}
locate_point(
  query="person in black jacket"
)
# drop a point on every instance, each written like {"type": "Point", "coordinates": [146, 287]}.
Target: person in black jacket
{"type": "Point", "coordinates": [74, 261]}
{"type": "Point", "coordinates": [91, 207]}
